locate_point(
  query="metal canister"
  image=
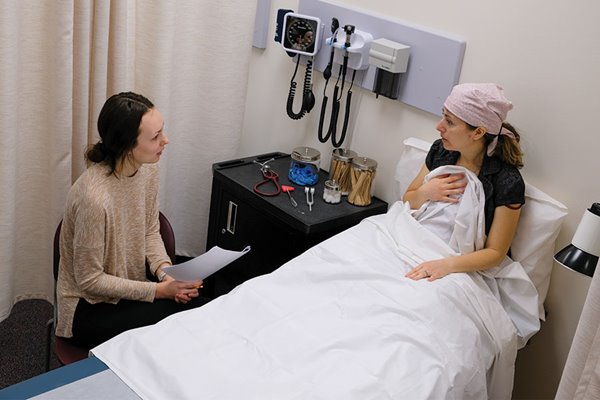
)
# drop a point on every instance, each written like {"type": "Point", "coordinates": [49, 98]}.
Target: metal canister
{"type": "Point", "coordinates": [305, 166]}
{"type": "Point", "coordinates": [362, 176]}
{"type": "Point", "coordinates": [331, 192]}
{"type": "Point", "coordinates": [340, 168]}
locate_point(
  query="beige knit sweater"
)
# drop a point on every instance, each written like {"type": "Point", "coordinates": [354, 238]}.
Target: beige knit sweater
{"type": "Point", "coordinates": [110, 228]}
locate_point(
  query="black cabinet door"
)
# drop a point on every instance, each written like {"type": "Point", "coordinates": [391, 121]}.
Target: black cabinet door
{"type": "Point", "coordinates": [239, 225]}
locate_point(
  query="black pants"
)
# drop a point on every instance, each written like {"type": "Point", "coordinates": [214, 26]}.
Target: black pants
{"type": "Point", "coordinates": [96, 323]}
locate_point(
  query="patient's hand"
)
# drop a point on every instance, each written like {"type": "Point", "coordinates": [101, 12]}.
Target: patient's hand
{"type": "Point", "coordinates": [445, 187]}
{"type": "Point", "coordinates": [431, 270]}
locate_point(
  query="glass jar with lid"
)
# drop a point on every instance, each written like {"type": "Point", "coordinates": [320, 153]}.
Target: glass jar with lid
{"type": "Point", "coordinates": [340, 167]}
{"type": "Point", "coordinates": [331, 192]}
{"type": "Point", "coordinates": [362, 176]}
{"type": "Point", "coordinates": [304, 166]}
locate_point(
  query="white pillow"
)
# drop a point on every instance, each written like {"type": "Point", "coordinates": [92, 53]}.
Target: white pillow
{"type": "Point", "coordinates": [533, 244]}
{"type": "Point", "coordinates": [411, 160]}
{"type": "Point", "coordinates": [539, 225]}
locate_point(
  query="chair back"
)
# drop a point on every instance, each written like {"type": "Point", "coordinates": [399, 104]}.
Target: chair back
{"type": "Point", "coordinates": [56, 252]}
{"type": "Point", "coordinates": [168, 235]}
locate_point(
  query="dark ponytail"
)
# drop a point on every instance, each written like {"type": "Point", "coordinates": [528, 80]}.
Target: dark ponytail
{"type": "Point", "coordinates": [508, 149]}
{"type": "Point", "coordinates": [95, 153]}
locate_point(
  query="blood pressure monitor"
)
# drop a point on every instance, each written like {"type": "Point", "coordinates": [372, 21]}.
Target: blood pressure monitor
{"type": "Point", "coordinates": [301, 34]}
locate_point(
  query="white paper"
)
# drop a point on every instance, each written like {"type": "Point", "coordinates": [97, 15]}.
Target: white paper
{"type": "Point", "coordinates": [204, 265]}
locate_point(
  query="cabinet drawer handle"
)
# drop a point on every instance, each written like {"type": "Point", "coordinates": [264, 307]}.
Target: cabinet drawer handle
{"type": "Point", "coordinates": [231, 217]}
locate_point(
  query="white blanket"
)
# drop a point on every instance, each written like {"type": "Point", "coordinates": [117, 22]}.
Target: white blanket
{"type": "Point", "coordinates": [338, 322]}
{"type": "Point", "coordinates": [462, 224]}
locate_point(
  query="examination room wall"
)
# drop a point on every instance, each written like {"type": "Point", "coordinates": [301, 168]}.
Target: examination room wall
{"type": "Point", "coordinates": [544, 54]}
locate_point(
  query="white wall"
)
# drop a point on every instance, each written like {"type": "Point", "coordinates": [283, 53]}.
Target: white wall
{"type": "Point", "coordinates": [546, 55]}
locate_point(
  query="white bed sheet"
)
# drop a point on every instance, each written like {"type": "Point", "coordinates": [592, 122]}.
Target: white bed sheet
{"type": "Point", "coordinates": [338, 322]}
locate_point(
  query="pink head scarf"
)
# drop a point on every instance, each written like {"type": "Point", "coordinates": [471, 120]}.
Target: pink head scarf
{"type": "Point", "coordinates": [481, 104]}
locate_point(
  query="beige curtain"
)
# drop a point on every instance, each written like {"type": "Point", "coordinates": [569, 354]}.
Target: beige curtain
{"type": "Point", "coordinates": [60, 60]}
{"type": "Point", "coordinates": [581, 376]}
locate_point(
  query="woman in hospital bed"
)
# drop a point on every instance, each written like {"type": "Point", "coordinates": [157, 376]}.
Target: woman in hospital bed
{"type": "Point", "coordinates": [475, 136]}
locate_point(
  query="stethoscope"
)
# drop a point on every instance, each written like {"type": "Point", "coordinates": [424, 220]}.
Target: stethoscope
{"type": "Point", "coordinates": [337, 91]}
{"type": "Point", "coordinates": [269, 176]}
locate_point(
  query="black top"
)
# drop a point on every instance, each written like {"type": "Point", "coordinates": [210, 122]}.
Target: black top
{"type": "Point", "coordinates": [502, 182]}
{"type": "Point", "coordinates": [242, 174]}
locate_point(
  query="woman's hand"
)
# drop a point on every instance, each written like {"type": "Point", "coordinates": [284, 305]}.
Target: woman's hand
{"type": "Point", "coordinates": [431, 270]}
{"type": "Point", "coordinates": [181, 292]}
{"type": "Point", "coordinates": [445, 187]}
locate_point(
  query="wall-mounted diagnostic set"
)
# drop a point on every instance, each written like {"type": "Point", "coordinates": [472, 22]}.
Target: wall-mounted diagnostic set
{"type": "Point", "coordinates": [392, 58]}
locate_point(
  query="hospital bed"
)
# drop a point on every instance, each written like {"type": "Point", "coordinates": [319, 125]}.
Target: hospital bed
{"type": "Point", "coordinates": [341, 321]}
{"type": "Point", "coordinates": [88, 379]}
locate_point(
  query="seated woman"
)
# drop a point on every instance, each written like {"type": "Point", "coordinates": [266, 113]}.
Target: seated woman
{"type": "Point", "coordinates": [474, 135]}
{"type": "Point", "coordinates": [110, 230]}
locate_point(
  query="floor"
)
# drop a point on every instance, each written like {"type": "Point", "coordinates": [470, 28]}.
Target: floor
{"type": "Point", "coordinates": [23, 338]}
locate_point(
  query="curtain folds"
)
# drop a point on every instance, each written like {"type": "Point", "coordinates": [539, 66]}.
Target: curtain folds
{"type": "Point", "coordinates": [61, 60]}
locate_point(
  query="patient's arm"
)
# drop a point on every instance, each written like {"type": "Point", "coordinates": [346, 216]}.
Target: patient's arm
{"type": "Point", "coordinates": [497, 244]}
{"type": "Point", "coordinates": [439, 188]}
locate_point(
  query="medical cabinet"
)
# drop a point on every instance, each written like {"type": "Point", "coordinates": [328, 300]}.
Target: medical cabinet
{"type": "Point", "coordinates": [275, 229]}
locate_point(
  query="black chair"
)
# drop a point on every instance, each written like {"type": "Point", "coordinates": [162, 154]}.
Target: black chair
{"type": "Point", "coordinates": [67, 352]}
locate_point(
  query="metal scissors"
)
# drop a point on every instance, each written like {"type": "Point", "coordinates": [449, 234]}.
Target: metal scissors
{"type": "Point", "coordinates": [269, 176]}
